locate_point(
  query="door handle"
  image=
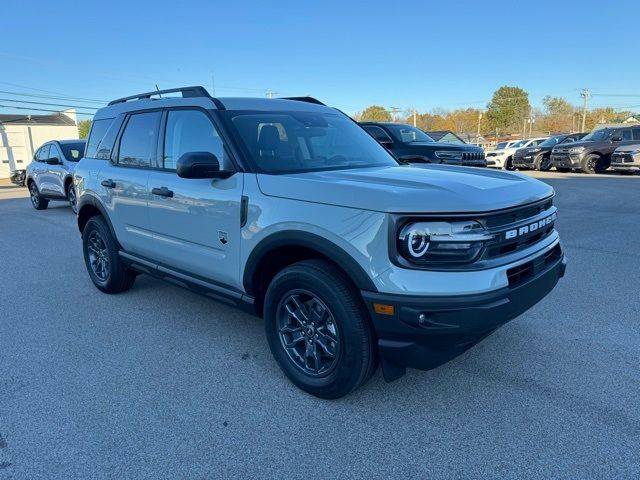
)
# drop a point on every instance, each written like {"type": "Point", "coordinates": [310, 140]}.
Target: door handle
{"type": "Point", "coordinates": [108, 183]}
{"type": "Point", "coordinates": [163, 192]}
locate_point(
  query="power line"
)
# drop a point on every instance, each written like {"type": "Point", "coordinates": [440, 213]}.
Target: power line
{"type": "Point", "coordinates": [49, 91]}
{"type": "Point", "coordinates": [44, 110]}
{"type": "Point", "coordinates": [46, 104]}
{"type": "Point", "coordinates": [50, 97]}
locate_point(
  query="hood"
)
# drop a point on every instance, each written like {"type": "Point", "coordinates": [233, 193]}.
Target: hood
{"type": "Point", "coordinates": [404, 189]}
{"type": "Point", "coordinates": [628, 148]}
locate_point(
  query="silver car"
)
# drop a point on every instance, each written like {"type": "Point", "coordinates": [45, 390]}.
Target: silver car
{"type": "Point", "coordinates": [289, 209]}
{"type": "Point", "coordinates": [626, 159]}
{"type": "Point", "coordinates": [50, 175]}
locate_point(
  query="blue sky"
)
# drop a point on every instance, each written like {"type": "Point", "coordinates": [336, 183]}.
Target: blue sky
{"type": "Point", "coordinates": [350, 54]}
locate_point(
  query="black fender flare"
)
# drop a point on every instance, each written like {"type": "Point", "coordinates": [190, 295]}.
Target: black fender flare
{"type": "Point", "coordinates": [296, 238]}
{"type": "Point", "coordinates": [91, 201]}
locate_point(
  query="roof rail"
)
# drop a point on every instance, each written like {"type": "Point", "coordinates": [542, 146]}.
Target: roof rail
{"type": "Point", "coordinates": [304, 99]}
{"type": "Point", "coordinates": [186, 92]}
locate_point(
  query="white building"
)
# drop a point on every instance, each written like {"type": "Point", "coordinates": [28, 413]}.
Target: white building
{"type": "Point", "coordinates": [21, 135]}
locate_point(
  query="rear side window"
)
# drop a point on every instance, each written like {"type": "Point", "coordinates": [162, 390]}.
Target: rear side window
{"type": "Point", "coordinates": [98, 129]}
{"type": "Point", "coordinates": [626, 134]}
{"type": "Point", "coordinates": [636, 133]}
{"type": "Point", "coordinates": [139, 139]}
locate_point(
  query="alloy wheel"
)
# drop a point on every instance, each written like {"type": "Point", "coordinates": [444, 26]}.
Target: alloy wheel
{"type": "Point", "coordinates": [73, 200]}
{"type": "Point", "coordinates": [35, 196]}
{"type": "Point", "coordinates": [98, 256]}
{"type": "Point", "coordinates": [308, 333]}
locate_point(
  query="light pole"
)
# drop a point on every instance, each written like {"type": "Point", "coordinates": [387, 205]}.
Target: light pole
{"type": "Point", "coordinates": [478, 135]}
{"type": "Point", "coordinates": [585, 95]}
{"type": "Point", "coordinates": [393, 111]}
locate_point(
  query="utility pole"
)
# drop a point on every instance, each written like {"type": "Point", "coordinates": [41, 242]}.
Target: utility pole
{"type": "Point", "coordinates": [213, 86]}
{"type": "Point", "coordinates": [524, 128]}
{"type": "Point", "coordinates": [531, 122]}
{"type": "Point", "coordinates": [393, 111]}
{"type": "Point", "coordinates": [415, 119]}
{"type": "Point", "coordinates": [271, 93]}
{"type": "Point", "coordinates": [478, 135]}
{"type": "Point", "coordinates": [585, 95]}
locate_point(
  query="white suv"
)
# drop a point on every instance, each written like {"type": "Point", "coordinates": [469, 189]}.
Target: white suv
{"type": "Point", "coordinates": [502, 155]}
{"type": "Point", "coordinates": [289, 209]}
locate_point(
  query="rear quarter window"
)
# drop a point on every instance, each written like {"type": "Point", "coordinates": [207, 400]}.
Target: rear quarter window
{"type": "Point", "coordinates": [98, 129]}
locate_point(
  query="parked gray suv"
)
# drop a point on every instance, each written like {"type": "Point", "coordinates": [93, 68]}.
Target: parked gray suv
{"type": "Point", "coordinates": [289, 209]}
{"type": "Point", "coordinates": [49, 176]}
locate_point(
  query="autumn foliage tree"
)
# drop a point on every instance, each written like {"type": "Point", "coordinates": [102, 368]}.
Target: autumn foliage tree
{"type": "Point", "coordinates": [375, 113]}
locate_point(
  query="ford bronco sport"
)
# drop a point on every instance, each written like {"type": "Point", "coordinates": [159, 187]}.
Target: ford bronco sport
{"type": "Point", "coordinates": [289, 209]}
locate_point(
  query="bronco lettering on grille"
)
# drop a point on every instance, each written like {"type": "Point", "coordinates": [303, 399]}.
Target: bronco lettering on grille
{"type": "Point", "coordinates": [530, 228]}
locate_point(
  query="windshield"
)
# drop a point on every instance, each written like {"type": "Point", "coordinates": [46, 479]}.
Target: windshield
{"type": "Point", "coordinates": [408, 134]}
{"type": "Point", "coordinates": [501, 145]}
{"type": "Point", "coordinates": [291, 142]}
{"type": "Point", "coordinates": [73, 151]}
{"type": "Point", "coordinates": [551, 141]}
{"type": "Point", "coordinates": [519, 144]}
{"type": "Point", "coordinates": [598, 135]}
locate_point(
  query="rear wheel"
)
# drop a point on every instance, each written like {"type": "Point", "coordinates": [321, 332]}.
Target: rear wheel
{"type": "Point", "coordinates": [101, 258]}
{"type": "Point", "coordinates": [37, 200]}
{"type": "Point", "coordinates": [318, 329]}
{"type": "Point", "coordinates": [72, 197]}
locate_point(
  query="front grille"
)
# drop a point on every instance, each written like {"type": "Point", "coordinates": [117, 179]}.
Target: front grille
{"type": "Point", "coordinates": [472, 156]}
{"type": "Point", "coordinates": [521, 273]}
{"type": "Point", "coordinates": [529, 222]}
{"type": "Point", "coordinates": [621, 158]}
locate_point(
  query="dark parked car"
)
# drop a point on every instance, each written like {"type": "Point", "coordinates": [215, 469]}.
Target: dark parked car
{"type": "Point", "coordinates": [411, 145]}
{"type": "Point", "coordinates": [18, 177]}
{"type": "Point", "coordinates": [592, 154]}
{"type": "Point", "coordinates": [539, 157]}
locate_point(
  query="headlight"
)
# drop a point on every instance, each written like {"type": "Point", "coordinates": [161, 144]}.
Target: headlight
{"type": "Point", "coordinates": [535, 150]}
{"type": "Point", "coordinates": [576, 150]}
{"type": "Point", "coordinates": [448, 154]}
{"type": "Point", "coordinates": [442, 242]}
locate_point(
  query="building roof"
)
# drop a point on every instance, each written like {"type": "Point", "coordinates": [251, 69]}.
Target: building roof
{"type": "Point", "coordinates": [52, 119]}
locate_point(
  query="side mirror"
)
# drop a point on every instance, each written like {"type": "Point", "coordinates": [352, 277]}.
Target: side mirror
{"type": "Point", "coordinates": [200, 165]}
{"type": "Point", "coordinates": [53, 161]}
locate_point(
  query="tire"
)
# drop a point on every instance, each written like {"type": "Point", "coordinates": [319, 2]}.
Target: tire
{"type": "Point", "coordinates": [72, 198]}
{"type": "Point", "coordinates": [312, 311]}
{"type": "Point", "coordinates": [543, 163]}
{"type": "Point", "coordinates": [508, 165]}
{"type": "Point", "coordinates": [37, 200]}
{"type": "Point", "coordinates": [592, 163]}
{"type": "Point", "coordinates": [563, 169]}
{"type": "Point", "coordinates": [105, 268]}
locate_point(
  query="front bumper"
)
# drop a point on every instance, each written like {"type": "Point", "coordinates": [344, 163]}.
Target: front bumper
{"type": "Point", "coordinates": [625, 162]}
{"type": "Point", "coordinates": [495, 162]}
{"type": "Point", "coordinates": [426, 332]}
{"type": "Point", "coordinates": [526, 161]}
{"type": "Point", "coordinates": [626, 167]}
{"type": "Point", "coordinates": [566, 160]}
{"type": "Point", "coordinates": [18, 177]}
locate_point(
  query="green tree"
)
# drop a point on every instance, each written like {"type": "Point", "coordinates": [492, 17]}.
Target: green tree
{"type": "Point", "coordinates": [375, 113]}
{"type": "Point", "coordinates": [83, 128]}
{"type": "Point", "coordinates": [508, 107]}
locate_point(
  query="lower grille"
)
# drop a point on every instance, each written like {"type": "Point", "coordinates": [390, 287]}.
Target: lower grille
{"type": "Point", "coordinates": [521, 273]}
{"type": "Point", "coordinates": [472, 156]}
{"type": "Point", "coordinates": [621, 158]}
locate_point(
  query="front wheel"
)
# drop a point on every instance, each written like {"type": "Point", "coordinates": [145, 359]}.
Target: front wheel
{"type": "Point", "coordinates": [508, 165]}
{"type": "Point", "coordinates": [106, 270]}
{"type": "Point", "coordinates": [72, 198]}
{"type": "Point", "coordinates": [37, 200]}
{"type": "Point", "coordinates": [318, 329]}
{"type": "Point", "coordinates": [592, 163]}
{"type": "Point", "coordinates": [543, 163]}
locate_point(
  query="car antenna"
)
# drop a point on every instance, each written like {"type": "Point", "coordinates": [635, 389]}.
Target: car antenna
{"type": "Point", "coordinates": [157, 89]}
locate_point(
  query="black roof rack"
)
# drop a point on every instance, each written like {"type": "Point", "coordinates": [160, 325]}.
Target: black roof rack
{"type": "Point", "coordinates": [304, 99]}
{"type": "Point", "coordinates": [186, 92]}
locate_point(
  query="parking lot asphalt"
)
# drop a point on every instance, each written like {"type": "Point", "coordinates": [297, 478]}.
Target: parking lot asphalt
{"type": "Point", "coordinates": [159, 382]}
